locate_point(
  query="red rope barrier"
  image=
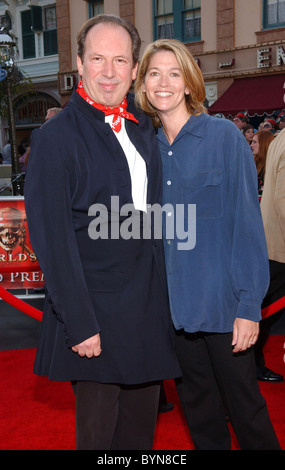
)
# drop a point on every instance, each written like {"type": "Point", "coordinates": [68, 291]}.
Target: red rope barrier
{"type": "Point", "coordinates": [20, 304]}
{"type": "Point", "coordinates": [37, 314]}
{"type": "Point", "coordinates": [273, 308]}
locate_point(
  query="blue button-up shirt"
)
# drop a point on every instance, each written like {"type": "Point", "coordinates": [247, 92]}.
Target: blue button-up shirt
{"type": "Point", "coordinates": [217, 264]}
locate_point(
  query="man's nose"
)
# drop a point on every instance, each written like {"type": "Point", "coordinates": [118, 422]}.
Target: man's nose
{"type": "Point", "coordinates": [108, 69]}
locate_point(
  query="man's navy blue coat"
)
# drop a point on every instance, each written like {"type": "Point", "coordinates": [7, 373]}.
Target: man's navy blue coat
{"type": "Point", "coordinates": [115, 287]}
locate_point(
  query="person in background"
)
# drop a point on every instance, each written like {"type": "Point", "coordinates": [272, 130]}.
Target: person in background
{"type": "Point", "coordinates": [259, 146]}
{"type": "Point", "coordinates": [51, 112]}
{"type": "Point", "coordinates": [269, 124]}
{"type": "Point", "coordinates": [217, 282]}
{"type": "Point", "coordinates": [273, 214]}
{"type": "Point", "coordinates": [281, 121]}
{"type": "Point", "coordinates": [24, 160]}
{"type": "Point", "coordinates": [6, 153]}
{"type": "Point", "coordinates": [23, 148]}
{"type": "Point", "coordinates": [240, 120]}
{"type": "Point", "coordinates": [248, 132]}
{"type": "Point", "coordinates": [106, 323]}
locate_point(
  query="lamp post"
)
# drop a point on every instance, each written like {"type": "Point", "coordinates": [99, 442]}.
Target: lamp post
{"type": "Point", "coordinates": [7, 63]}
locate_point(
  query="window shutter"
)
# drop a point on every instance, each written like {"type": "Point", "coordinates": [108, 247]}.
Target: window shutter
{"type": "Point", "coordinates": [37, 18]}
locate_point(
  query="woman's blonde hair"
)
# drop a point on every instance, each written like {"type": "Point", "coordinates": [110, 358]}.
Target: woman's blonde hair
{"type": "Point", "coordinates": [191, 73]}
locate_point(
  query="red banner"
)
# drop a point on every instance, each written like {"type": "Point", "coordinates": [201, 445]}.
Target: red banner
{"type": "Point", "coordinates": [19, 267]}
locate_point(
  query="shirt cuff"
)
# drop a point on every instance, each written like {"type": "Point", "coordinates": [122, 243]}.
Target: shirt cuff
{"type": "Point", "coordinates": [249, 311]}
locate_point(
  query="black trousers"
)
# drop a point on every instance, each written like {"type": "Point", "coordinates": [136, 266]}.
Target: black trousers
{"type": "Point", "coordinates": [115, 417]}
{"type": "Point", "coordinates": [217, 382]}
{"type": "Point", "coordinates": [275, 292]}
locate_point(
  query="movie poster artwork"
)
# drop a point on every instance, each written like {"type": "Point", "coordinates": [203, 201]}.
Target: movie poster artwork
{"type": "Point", "coordinates": [19, 267]}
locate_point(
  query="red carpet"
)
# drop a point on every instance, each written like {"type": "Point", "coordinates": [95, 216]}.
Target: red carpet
{"type": "Point", "coordinates": [39, 415]}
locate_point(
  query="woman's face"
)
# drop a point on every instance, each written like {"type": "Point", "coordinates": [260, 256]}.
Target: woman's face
{"type": "Point", "coordinates": [249, 135]}
{"type": "Point", "coordinates": [164, 84]}
{"type": "Point", "coordinates": [254, 145]}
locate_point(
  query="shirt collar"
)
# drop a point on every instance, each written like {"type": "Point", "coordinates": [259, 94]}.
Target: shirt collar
{"type": "Point", "coordinates": [196, 125]}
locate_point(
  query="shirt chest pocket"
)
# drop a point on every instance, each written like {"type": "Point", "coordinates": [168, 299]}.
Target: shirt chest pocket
{"type": "Point", "coordinates": [204, 189]}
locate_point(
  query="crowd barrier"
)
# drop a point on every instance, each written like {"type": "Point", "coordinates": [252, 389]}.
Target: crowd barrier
{"type": "Point", "coordinates": [37, 314]}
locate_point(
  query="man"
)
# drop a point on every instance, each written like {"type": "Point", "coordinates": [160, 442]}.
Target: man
{"type": "Point", "coordinates": [269, 124]}
{"type": "Point", "coordinates": [281, 120]}
{"type": "Point", "coordinates": [51, 112]}
{"type": "Point", "coordinates": [240, 120]}
{"type": "Point", "coordinates": [106, 325]}
{"type": "Point", "coordinates": [273, 215]}
{"type": "Point", "coordinates": [7, 153]}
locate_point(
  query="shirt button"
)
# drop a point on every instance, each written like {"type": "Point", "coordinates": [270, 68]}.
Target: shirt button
{"type": "Point", "coordinates": [170, 153]}
{"type": "Point", "coordinates": [169, 183]}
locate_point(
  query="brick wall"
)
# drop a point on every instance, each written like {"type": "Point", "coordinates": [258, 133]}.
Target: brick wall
{"type": "Point", "coordinates": [63, 35]}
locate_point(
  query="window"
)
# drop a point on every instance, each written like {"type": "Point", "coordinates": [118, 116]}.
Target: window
{"type": "Point", "coordinates": [50, 30]}
{"type": "Point", "coordinates": [96, 7]}
{"type": "Point", "coordinates": [164, 19]}
{"type": "Point", "coordinates": [179, 19]}
{"type": "Point", "coordinates": [192, 20]}
{"type": "Point", "coordinates": [273, 13]}
{"type": "Point", "coordinates": [6, 22]}
{"type": "Point", "coordinates": [40, 20]}
{"type": "Point", "coordinates": [28, 36]}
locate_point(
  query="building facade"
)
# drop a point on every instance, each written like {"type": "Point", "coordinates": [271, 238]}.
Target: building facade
{"type": "Point", "coordinates": [33, 26]}
{"type": "Point", "coordinates": [238, 44]}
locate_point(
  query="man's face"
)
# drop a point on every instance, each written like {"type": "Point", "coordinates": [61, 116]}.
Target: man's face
{"type": "Point", "coordinates": [107, 68]}
{"type": "Point", "coordinates": [238, 122]}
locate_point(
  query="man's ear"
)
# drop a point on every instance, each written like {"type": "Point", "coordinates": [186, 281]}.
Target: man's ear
{"type": "Point", "coordinates": [79, 65]}
{"type": "Point", "coordinates": [134, 71]}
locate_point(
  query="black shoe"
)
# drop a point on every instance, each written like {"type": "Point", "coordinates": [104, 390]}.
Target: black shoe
{"type": "Point", "coordinates": [266, 375]}
{"type": "Point", "coordinates": [165, 408]}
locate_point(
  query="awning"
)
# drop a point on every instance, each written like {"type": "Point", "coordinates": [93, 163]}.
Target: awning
{"type": "Point", "coordinates": [257, 95]}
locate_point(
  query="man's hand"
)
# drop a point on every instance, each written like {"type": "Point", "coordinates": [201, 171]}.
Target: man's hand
{"type": "Point", "coordinates": [90, 347]}
{"type": "Point", "coordinates": [245, 334]}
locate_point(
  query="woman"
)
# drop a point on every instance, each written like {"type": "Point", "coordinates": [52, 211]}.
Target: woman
{"type": "Point", "coordinates": [248, 132]}
{"type": "Point", "coordinates": [268, 125]}
{"type": "Point", "coordinates": [259, 146]}
{"type": "Point", "coordinates": [216, 288]}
